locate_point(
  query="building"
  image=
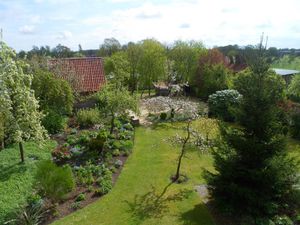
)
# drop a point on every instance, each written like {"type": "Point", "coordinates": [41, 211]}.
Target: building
{"type": "Point", "coordinates": [286, 74]}
{"type": "Point", "coordinates": [86, 75]}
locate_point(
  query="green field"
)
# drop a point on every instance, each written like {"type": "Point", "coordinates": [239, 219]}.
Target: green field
{"type": "Point", "coordinates": [16, 179]}
{"type": "Point", "coordinates": [143, 193]}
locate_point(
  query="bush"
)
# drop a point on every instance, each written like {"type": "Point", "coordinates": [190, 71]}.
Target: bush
{"type": "Point", "coordinates": [53, 93]}
{"type": "Point", "coordinates": [61, 153]}
{"type": "Point", "coordinates": [221, 104]}
{"type": "Point", "coordinates": [163, 116]}
{"type": "Point", "coordinates": [295, 126]}
{"type": "Point", "coordinates": [53, 122]}
{"type": "Point", "coordinates": [75, 205]}
{"type": "Point", "coordinates": [118, 163]}
{"type": "Point", "coordinates": [98, 142]}
{"type": "Point", "coordinates": [80, 197]}
{"type": "Point", "coordinates": [88, 117]}
{"type": "Point", "coordinates": [53, 181]}
{"type": "Point", "coordinates": [105, 182]}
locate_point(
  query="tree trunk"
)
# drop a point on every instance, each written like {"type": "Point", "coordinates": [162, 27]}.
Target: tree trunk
{"type": "Point", "coordinates": [2, 145]}
{"type": "Point", "coordinates": [21, 152]}
{"type": "Point", "coordinates": [112, 124]}
{"type": "Point", "coordinates": [149, 91]}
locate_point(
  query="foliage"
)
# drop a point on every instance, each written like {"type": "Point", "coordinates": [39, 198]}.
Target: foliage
{"type": "Point", "coordinates": [163, 116]}
{"type": "Point", "coordinates": [17, 179]}
{"type": "Point", "coordinates": [53, 122]}
{"type": "Point", "coordinates": [54, 94]}
{"type": "Point", "coordinates": [88, 117]}
{"type": "Point", "coordinates": [115, 102]}
{"type": "Point", "coordinates": [150, 162]}
{"type": "Point", "coordinates": [293, 91]}
{"type": "Point", "coordinates": [54, 181]}
{"type": "Point", "coordinates": [17, 101]}
{"type": "Point", "coordinates": [287, 62]}
{"type": "Point", "coordinates": [185, 56]}
{"type": "Point", "coordinates": [32, 214]}
{"type": "Point", "coordinates": [61, 153]}
{"type": "Point", "coordinates": [251, 161]}
{"type": "Point", "coordinates": [214, 78]}
{"type": "Point", "coordinates": [105, 182]}
{"type": "Point", "coordinates": [152, 63]}
{"type": "Point", "coordinates": [134, 53]}
{"type": "Point", "coordinates": [117, 69]}
{"type": "Point", "coordinates": [109, 47]}
{"type": "Point", "coordinates": [76, 205]}
{"type": "Point", "coordinates": [295, 126]}
{"type": "Point", "coordinates": [223, 102]}
{"type": "Point", "coordinates": [80, 197]}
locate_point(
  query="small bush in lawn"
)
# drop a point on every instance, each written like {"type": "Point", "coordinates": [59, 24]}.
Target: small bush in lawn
{"type": "Point", "coordinates": [80, 197]}
{"type": "Point", "coordinates": [53, 122]}
{"type": "Point", "coordinates": [163, 116]}
{"type": "Point", "coordinates": [222, 103]}
{"type": "Point", "coordinates": [88, 117]}
{"type": "Point", "coordinates": [53, 181]}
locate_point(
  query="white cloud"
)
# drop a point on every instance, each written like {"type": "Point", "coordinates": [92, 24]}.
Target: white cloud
{"type": "Point", "coordinates": [27, 29]}
{"type": "Point", "coordinates": [64, 35]}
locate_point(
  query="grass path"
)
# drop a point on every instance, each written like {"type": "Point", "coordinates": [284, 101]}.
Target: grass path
{"type": "Point", "coordinates": [143, 193]}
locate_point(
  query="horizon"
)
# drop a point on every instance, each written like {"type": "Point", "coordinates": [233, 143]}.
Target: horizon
{"type": "Point", "coordinates": [215, 23]}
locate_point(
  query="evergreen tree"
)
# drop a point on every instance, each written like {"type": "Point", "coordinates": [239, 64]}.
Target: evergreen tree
{"type": "Point", "coordinates": [254, 176]}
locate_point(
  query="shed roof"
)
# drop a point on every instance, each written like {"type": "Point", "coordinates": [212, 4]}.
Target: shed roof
{"type": "Point", "coordinates": [285, 72]}
{"type": "Point", "coordinates": [88, 72]}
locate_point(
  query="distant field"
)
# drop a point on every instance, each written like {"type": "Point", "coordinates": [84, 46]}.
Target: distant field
{"type": "Point", "coordinates": [287, 62]}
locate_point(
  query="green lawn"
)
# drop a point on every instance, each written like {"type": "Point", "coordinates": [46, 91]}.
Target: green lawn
{"type": "Point", "coordinates": [143, 193]}
{"type": "Point", "coordinates": [15, 178]}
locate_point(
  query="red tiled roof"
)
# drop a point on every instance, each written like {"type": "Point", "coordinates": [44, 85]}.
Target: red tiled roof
{"type": "Point", "coordinates": [84, 74]}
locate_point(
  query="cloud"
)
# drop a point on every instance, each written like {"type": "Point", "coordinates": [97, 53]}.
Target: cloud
{"type": "Point", "coordinates": [149, 15]}
{"type": "Point", "coordinates": [27, 29]}
{"type": "Point", "coordinates": [64, 35]}
{"type": "Point", "coordinates": [184, 26]}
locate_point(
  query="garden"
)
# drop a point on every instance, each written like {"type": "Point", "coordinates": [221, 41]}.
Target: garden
{"type": "Point", "coordinates": [217, 149]}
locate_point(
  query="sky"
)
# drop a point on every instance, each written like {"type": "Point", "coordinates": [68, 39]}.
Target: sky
{"type": "Point", "coordinates": [26, 23]}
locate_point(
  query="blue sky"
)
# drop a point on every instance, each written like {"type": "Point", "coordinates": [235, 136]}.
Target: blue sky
{"type": "Point", "coordinates": [87, 22]}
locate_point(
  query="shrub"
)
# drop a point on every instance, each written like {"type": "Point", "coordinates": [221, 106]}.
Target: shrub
{"type": "Point", "coordinates": [72, 139]}
{"type": "Point", "coordinates": [118, 163]}
{"type": "Point", "coordinates": [295, 126]}
{"type": "Point", "coordinates": [128, 126]}
{"type": "Point", "coordinates": [126, 145]}
{"type": "Point", "coordinates": [53, 181]}
{"type": "Point", "coordinates": [32, 214]}
{"type": "Point", "coordinates": [116, 152]}
{"type": "Point", "coordinates": [88, 117]}
{"type": "Point", "coordinates": [75, 205]}
{"type": "Point", "coordinates": [98, 142]}
{"type": "Point", "coordinates": [105, 182]}
{"type": "Point", "coordinates": [163, 116]}
{"type": "Point", "coordinates": [221, 104]}
{"type": "Point", "coordinates": [293, 90]}
{"type": "Point", "coordinates": [53, 122]}
{"type": "Point", "coordinates": [61, 153]}
{"type": "Point", "coordinates": [53, 93]}
{"type": "Point", "coordinates": [80, 197]}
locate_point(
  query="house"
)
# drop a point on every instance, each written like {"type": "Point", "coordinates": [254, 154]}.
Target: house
{"type": "Point", "coordinates": [86, 75]}
{"type": "Point", "coordinates": [286, 74]}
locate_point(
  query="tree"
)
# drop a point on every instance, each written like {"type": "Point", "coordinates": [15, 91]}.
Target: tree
{"type": "Point", "coordinates": [109, 47]}
{"type": "Point", "coordinates": [152, 63]}
{"type": "Point", "coordinates": [117, 69]}
{"type": "Point", "coordinates": [134, 53]}
{"type": "Point", "coordinates": [114, 102]}
{"type": "Point", "coordinates": [294, 89]}
{"type": "Point", "coordinates": [18, 104]}
{"type": "Point", "coordinates": [61, 51]}
{"type": "Point", "coordinates": [185, 56]}
{"type": "Point", "coordinates": [212, 74]}
{"type": "Point", "coordinates": [254, 178]}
